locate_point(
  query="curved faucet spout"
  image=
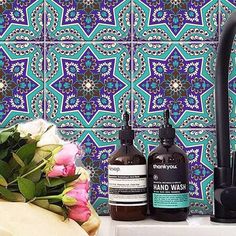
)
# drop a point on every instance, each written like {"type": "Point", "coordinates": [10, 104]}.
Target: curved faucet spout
{"type": "Point", "coordinates": [221, 92]}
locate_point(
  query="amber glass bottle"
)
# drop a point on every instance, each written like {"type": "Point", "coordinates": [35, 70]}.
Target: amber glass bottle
{"type": "Point", "coordinates": [127, 179]}
{"type": "Point", "coordinates": [168, 186]}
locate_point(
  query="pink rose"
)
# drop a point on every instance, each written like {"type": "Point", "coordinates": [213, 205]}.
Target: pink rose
{"type": "Point", "coordinates": [82, 185]}
{"type": "Point", "coordinates": [67, 155]}
{"type": "Point", "coordinates": [75, 196]}
{"type": "Point", "coordinates": [60, 170]}
{"type": "Point", "coordinates": [82, 181]}
{"type": "Point", "coordinates": [64, 161]}
{"type": "Point", "coordinates": [79, 213]}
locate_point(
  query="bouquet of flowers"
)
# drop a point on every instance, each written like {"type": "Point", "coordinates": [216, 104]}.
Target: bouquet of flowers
{"type": "Point", "coordinates": [37, 166]}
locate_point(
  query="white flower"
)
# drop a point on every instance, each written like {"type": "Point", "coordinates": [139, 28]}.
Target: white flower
{"type": "Point", "coordinates": [84, 174]}
{"type": "Point", "coordinates": [50, 137]}
{"type": "Point", "coordinates": [35, 128]}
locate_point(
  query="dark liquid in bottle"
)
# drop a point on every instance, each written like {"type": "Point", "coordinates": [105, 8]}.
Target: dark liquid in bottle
{"type": "Point", "coordinates": [172, 157]}
{"type": "Point", "coordinates": [127, 155]}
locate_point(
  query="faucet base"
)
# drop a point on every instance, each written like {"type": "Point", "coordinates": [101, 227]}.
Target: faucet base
{"type": "Point", "coordinates": [221, 220]}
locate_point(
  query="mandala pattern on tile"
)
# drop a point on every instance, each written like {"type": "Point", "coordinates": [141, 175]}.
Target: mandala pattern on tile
{"type": "Point", "coordinates": [90, 82]}
{"type": "Point", "coordinates": [176, 77]}
{"type": "Point", "coordinates": [227, 7]}
{"type": "Point", "coordinates": [175, 20]}
{"type": "Point", "coordinates": [21, 20]}
{"type": "Point", "coordinates": [95, 160]}
{"type": "Point", "coordinates": [20, 82]}
{"type": "Point", "coordinates": [200, 148]}
{"type": "Point", "coordinates": [232, 86]}
{"type": "Point", "coordinates": [99, 20]}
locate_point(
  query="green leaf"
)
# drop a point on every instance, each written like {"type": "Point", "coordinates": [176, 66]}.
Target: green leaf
{"type": "Point", "coordinates": [42, 203]}
{"type": "Point", "coordinates": [3, 181]}
{"type": "Point", "coordinates": [26, 187]}
{"type": "Point", "coordinates": [18, 197]}
{"type": "Point", "coordinates": [44, 152]}
{"type": "Point", "coordinates": [40, 189]}
{"type": "Point", "coordinates": [35, 176]}
{"type": "Point", "coordinates": [5, 169]}
{"type": "Point", "coordinates": [70, 178]}
{"type": "Point", "coordinates": [18, 160]}
{"type": "Point", "coordinates": [3, 153]}
{"type": "Point", "coordinates": [26, 152]}
{"type": "Point", "coordinates": [56, 209]}
{"type": "Point", "coordinates": [51, 207]}
{"type": "Point", "coordinates": [4, 135]}
{"type": "Point", "coordinates": [53, 182]}
{"type": "Point", "coordinates": [54, 200]}
{"type": "Point", "coordinates": [7, 194]}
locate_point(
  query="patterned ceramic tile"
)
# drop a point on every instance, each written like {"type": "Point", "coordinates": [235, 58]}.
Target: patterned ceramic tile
{"type": "Point", "coordinates": [175, 76]}
{"type": "Point", "coordinates": [88, 84]}
{"type": "Point", "coordinates": [232, 87]}
{"type": "Point", "coordinates": [226, 7]}
{"type": "Point", "coordinates": [21, 20]}
{"type": "Point", "coordinates": [21, 82]}
{"type": "Point", "coordinates": [80, 20]}
{"type": "Point", "coordinates": [200, 148]}
{"type": "Point", "coordinates": [233, 139]}
{"type": "Point", "coordinates": [187, 20]}
{"type": "Point", "coordinates": [98, 146]}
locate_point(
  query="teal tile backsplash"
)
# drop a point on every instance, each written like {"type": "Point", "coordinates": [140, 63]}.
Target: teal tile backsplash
{"type": "Point", "coordinates": [179, 76]}
{"type": "Point", "coordinates": [21, 82]}
{"type": "Point", "coordinates": [81, 64]}
{"type": "Point", "coordinates": [92, 81]}
{"type": "Point", "coordinates": [176, 20]}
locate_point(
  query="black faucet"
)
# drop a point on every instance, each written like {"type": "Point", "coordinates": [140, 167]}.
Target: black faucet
{"type": "Point", "coordinates": [225, 173]}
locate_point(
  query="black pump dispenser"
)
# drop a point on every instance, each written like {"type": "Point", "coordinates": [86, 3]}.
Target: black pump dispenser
{"type": "Point", "coordinates": [126, 134]}
{"type": "Point", "coordinates": [168, 177]}
{"type": "Point", "coordinates": [127, 178]}
{"type": "Point", "coordinates": [167, 132]}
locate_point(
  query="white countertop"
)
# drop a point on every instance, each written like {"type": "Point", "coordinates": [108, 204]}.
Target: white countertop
{"type": "Point", "coordinates": [194, 226]}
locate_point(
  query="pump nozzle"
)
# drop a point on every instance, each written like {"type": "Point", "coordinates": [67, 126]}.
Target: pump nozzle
{"type": "Point", "coordinates": [126, 134]}
{"type": "Point", "coordinates": [126, 120]}
{"type": "Point", "coordinates": [166, 131]}
{"type": "Point", "coordinates": [166, 118]}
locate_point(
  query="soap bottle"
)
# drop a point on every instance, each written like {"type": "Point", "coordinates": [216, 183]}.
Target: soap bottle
{"type": "Point", "coordinates": [127, 179]}
{"type": "Point", "coordinates": [168, 185]}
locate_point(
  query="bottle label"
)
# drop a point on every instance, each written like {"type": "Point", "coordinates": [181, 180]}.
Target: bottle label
{"type": "Point", "coordinates": [170, 185]}
{"type": "Point", "coordinates": [127, 185]}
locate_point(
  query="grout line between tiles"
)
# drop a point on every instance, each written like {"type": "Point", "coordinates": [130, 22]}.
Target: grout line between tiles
{"type": "Point", "coordinates": [219, 19]}
{"type": "Point", "coordinates": [132, 66]}
{"type": "Point", "coordinates": [44, 60]}
{"type": "Point", "coordinates": [136, 129]}
{"type": "Point", "coordinates": [110, 42]}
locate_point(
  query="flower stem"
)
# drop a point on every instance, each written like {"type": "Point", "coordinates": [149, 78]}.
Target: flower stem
{"type": "Point", "coordinates": [30, 172]}
{"type": "Point", "coordinates": [49, 197]}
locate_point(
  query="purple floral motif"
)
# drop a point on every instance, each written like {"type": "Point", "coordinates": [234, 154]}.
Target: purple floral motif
{"type": "Point", "coordinates": [15, 85]}
{"type": "Point", "coordinates": [175, 13]}
{"type": "Point", "coordinates": [88, 13]}
{"type": "Point", "coordinates": [15, 18]}
{"type": "Point", "coordinates": [198, 171]}
{"type": "Point", "coordinates": [232, 85]}
{"type": "Point", "coordinates": [88, 85]}
{"type": "Point", "coordinates": [96, 161]}
{"type": "Point", "coordinates": [176, 84]}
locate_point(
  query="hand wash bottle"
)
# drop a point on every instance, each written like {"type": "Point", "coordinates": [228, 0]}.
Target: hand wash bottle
{"type": "Point", "coordinates": [127, 179]}
{"type": "Point", "coordinates": [168, 186]}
